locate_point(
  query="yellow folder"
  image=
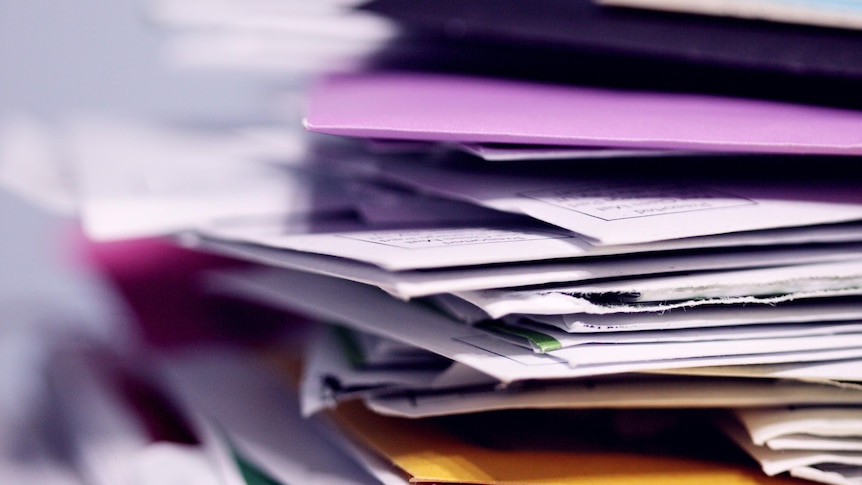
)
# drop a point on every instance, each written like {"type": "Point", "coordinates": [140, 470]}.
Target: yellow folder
{"type": "Point", "coordinates": [429, 453]}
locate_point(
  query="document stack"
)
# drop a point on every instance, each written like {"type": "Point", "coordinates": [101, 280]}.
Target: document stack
{"type": "Point", "coordinates": [542, 242]}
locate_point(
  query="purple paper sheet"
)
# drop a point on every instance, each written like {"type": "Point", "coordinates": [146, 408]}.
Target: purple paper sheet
{"type": "Point", "coordinates": [420, 106]}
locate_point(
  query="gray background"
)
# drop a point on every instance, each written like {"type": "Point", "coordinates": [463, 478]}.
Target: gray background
{"type": "Point", "coordinates": [58, 59]}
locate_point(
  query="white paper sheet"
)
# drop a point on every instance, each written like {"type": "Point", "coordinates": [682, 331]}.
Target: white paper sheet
{"type": "Point", "coordinates": [626, 391]}
{"type": "Point", "coordinates": [774, 462]}
{"type": "Point", "coordinates": [314, 19]}
{"type": "Point", "coordinates": [296, 37]}
{"type": "Point", "coordinates": [620, 211]}
{"type": "Point", "coordinates": [811, 311]}
{"type": "Point", "coordinates": [749, 350]}
{"type": "Point", "coordinates": [522, 333]}
{"type": "Point", "coordinates": [138, 180]}
{"type": "Point", "coordinates": [723, 284]}
{"type": "Point", "coordinates": [761, 286]}
{"type": "Point", "coordinates": [447, 245]}
{"type": "Point", "coordinates": [556, 303]}
{"type": "Point", "coordinates": [812, 443]}
{"type": "Point", "coordinates": [504, 152]}
{"type": "Point", "coordinates": [411, 248]}
{"type": "Point", "coordinates": [766, 424]}
{"type": "Point", "coordinates": [412, 284]}
{"type": "Point", "coordinates": [274, 53]}
{"type": "Point", "coordinates": [831, 473]}
{"type": "Point", "coordinates": [370, 310]}
{"type": "Point", "coordinates": [512, 153]}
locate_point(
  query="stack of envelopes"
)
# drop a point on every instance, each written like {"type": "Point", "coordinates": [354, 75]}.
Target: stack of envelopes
{"type": "Point", "coordinates": [605, 222]}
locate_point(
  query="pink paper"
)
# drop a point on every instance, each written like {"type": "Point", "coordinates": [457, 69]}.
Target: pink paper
{"type": "Point", "coordinates": [435, 107]}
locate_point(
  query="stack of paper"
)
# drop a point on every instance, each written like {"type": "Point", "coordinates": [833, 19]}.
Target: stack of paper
{"type": "Point", "coordinates": [818, 443]}
{"type": "Point", "coordinates": [588, 267]}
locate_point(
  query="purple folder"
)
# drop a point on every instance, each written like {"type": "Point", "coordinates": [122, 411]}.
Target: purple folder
{"type": "Point", "coordinates": [435, 107]}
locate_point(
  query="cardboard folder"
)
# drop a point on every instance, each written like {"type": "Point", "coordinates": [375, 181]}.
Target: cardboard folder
{"type": "Point", "coordinates": [437, 107]}
{"type": "Point", "coordinates": [429, 452]}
